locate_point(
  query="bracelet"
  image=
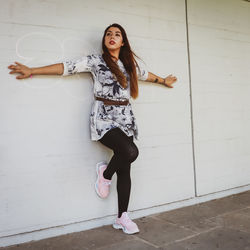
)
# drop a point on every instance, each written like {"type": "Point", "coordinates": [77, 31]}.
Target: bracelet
{"type": "Point", "coordinates": [164, 83]}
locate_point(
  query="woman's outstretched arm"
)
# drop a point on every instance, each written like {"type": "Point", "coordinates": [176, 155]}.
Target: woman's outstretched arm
{"type": "Point", "coordinates": [167, 82]}
{"type": "Point", "coordinates": [53, 69]}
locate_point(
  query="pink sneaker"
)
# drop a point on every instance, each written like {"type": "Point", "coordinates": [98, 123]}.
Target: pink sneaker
{"type": "Point", "coordinates": [126, 224]}
{"type": "Point", "coordinates": [102, 185]}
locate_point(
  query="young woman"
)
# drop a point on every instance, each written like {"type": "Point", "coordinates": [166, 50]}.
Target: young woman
{"type": "Point", "coordinates": [112, 122]}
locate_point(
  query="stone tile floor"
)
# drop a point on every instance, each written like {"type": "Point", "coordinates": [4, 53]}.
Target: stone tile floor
{"type": "Point", "coordinates": [221, 224]}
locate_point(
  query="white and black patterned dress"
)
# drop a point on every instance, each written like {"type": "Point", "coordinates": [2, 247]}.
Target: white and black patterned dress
{"type": "Point", "coordinates": [105, 117]}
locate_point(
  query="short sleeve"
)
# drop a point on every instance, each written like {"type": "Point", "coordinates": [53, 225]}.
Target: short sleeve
{"type": "Point", "coordinates": [77, 65]}
{"type": "Point", "coordinates": [142, 72]}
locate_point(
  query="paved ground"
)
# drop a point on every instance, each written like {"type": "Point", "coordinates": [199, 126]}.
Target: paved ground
{"type": "Point", "coordinates": [222, 224]}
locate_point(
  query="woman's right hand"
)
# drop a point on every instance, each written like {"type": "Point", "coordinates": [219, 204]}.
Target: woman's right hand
{"type": "Point", "coordinates": [20, 68]}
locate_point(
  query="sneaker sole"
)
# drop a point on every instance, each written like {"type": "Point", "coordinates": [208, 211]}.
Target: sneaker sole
{"type": "Point", "coordinates": [119, 226]}
{"type": "Point", "coordinates": [96, 183]}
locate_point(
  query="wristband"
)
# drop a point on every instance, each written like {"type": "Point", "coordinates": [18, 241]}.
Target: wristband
{"type": "Point", "coordinates": [164, 83]}
{"type": "Point", "coordinates": [30, 75]}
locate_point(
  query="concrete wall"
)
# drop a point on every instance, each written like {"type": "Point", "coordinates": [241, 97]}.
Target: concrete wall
{"type": "Point", "coordinates": [219, 43]}
{"type": "Point", "coordinates": [194, 141]}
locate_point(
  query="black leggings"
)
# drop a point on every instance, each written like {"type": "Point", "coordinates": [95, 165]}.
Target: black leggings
{"type": "Point", "coordinates": [125, 152]}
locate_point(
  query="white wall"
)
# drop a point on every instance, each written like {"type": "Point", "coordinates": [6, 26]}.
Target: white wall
{"type": "Point", "coordinates": [47, 160]}
{"type": "Point", "coordinates": [219, 37]}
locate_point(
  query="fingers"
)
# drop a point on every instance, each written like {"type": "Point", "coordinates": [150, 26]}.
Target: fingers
{"type": "Point", "coordinates": [18, 63]}
{"type": "Point", "coordinates": [172, 79]}
{"type": "Point", "coordinates": [12, 72]}
{"type": "Point", "coordinates": [169, 86]}
{"type": "Point", "coordinates": [13, 66]}
{"type": "Point", "coordinates": [15, 71]}
{"type": "Point", "coordinates": [171, 76]}
{"type": "Point", "coordinates": [21, 77]}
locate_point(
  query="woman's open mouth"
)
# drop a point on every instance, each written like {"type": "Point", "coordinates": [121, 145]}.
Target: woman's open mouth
{"type": "Point", "coordinates": [112, 42]}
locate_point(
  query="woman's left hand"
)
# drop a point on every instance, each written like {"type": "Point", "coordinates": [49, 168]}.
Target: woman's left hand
{"type": "Point", "coordinates": [169, 80]}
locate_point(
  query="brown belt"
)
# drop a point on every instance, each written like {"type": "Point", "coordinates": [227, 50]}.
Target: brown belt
{"type": "Point", "coordinates": [111, 102]}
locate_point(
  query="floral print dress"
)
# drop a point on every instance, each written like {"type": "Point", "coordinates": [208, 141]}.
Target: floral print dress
{"type": "Point", "coordinates": [105, 117]}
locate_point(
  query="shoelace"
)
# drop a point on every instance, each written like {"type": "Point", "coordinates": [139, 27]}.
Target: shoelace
{"type": "Point", "coordinates": [107, 183]}
{"type": "Point", "coordinates": [127, 219]}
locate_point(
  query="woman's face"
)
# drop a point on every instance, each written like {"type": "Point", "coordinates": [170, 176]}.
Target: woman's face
{"type": "Point", "coordinates": [113, 39]}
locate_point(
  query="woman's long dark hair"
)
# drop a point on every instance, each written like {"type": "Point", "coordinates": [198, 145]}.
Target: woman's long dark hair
{"type": "Point", "coordinates": [127, 57]}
